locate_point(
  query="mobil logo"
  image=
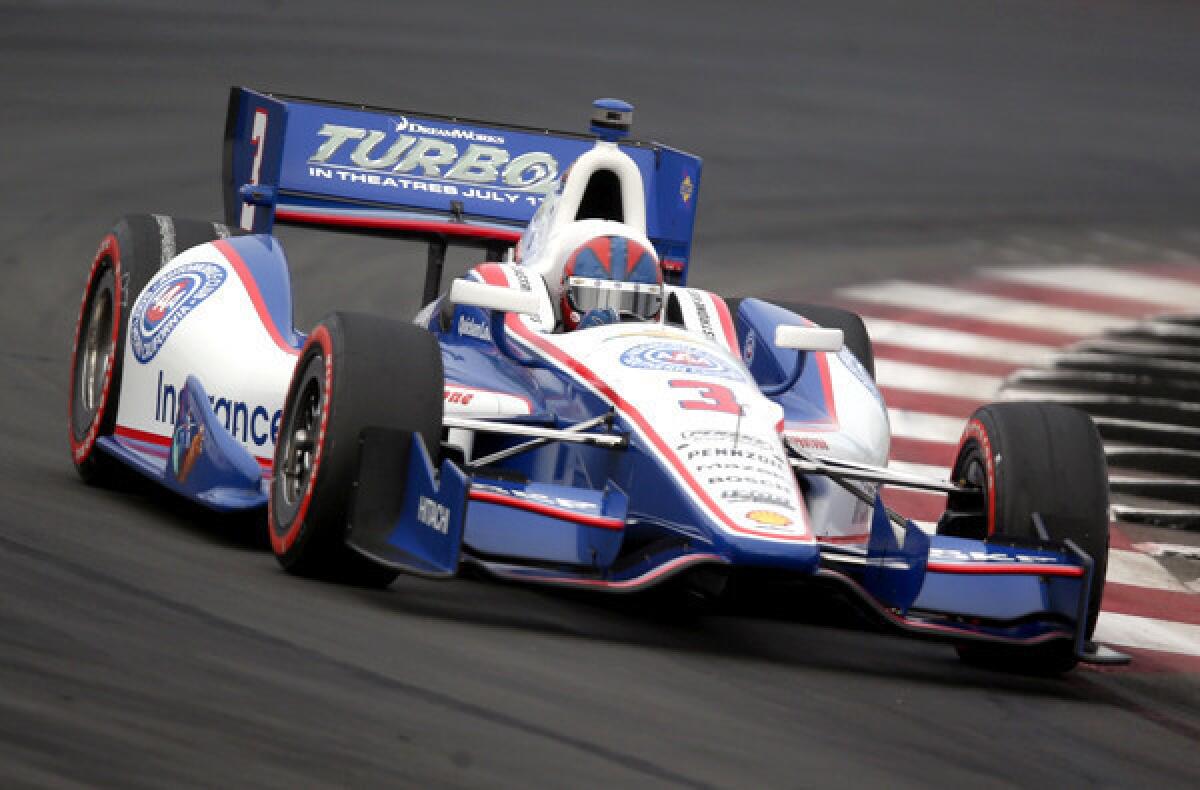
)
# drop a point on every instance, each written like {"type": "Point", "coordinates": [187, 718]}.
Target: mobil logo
{"type": "Point", "coordinates": [164, 304]}
{"type": "Point", "coordinates": [677, 358]}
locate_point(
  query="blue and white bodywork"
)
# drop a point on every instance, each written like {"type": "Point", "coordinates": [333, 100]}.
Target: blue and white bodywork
{"type": "Point", "coordinates": [610, 458]}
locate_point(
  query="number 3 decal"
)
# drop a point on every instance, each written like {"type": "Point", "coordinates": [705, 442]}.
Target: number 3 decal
{"type": "Point", "coordinates": [715, 397]}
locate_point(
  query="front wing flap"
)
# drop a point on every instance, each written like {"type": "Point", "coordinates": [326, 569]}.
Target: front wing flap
{"type": "Point", "coordinates": [961, 590]}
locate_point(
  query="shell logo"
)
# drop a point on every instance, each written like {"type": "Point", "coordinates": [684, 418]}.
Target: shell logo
{"type": "Point", "coordinates": [769, 518]}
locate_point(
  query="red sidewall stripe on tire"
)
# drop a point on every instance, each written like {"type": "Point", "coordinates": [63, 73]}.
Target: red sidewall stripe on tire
{"type": "Point", "coordinates": [281, 543]}
{"type": "Point", "coordinates": [975, 430]}
{"type": "Point", "coordinates": [109, 249]}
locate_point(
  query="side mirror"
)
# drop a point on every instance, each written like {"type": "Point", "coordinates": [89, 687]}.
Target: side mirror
{"type": "Point", "coordinates": [803, 338]}
{"type": "Point", "coordinates": [493, 297]}
{"type": "Point", "coordinates": [809, 338]}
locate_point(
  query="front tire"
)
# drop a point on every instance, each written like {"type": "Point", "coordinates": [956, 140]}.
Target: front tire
{"type": "Point", "coordinates": [128, 257]}
{"type": "Point", "coordinates": [356, 371]}
{"type": "Point", "coordinates": [1029, 458]}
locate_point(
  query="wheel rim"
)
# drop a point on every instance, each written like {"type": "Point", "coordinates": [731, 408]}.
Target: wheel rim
{"type": "Point", "coordinates": [302, 439]}
{"type": "Point", "coordinates": [94, 357]}
{"type": "Point", "coordinates": [971, 472]}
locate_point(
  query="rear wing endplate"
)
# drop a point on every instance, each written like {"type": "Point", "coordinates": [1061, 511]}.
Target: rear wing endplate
{"type": "Point", "coordinates": [443, 179]}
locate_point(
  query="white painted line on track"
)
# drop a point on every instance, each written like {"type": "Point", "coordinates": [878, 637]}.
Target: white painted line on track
{"type": "Point", "coordinates": [967, 304]}
{"type": "Point", "coordinates": [1127, 284]}
{"type": "Point", "coordinates": [936, 381]}
{"type": "Point", "coordinates": [1169, 550]}
{"type": "Point", "coordinates": [926, 427]}
{"type": "Point", "coordinates": [1140, 570]}
{"type": "Point", "coordinates": [1132, 631]}
{"type": "Point", "coordinates": [953, 341]}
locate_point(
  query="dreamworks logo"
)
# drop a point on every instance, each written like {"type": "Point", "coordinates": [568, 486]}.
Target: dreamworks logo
{"type": "Point", "coordinates": [415, 127]}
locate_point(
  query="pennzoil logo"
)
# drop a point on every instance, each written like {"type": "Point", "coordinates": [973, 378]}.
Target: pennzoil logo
{"type": "Point", "coordinates": [164, 305]}
{"type": "Point", "coordinates": [769, 518]}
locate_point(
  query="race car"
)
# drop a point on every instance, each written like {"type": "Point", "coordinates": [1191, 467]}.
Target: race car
{"type": "Point", "coordinates": [568, 413]}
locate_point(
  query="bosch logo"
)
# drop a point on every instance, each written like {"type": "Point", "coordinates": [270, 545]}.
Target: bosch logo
{"type": "Point", "coordinates": [165, 304]}
{"type": "Point", "coordinates": [674, 358]}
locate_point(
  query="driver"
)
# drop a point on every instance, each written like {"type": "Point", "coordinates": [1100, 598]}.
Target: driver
{"type": "Point", "coordinates": [608, 279]}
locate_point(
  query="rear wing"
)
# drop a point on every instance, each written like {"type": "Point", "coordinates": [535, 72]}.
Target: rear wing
{"type": "Point", "coordinates": [441, 179]}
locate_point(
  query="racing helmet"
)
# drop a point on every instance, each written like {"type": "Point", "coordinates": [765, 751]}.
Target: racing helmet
{"type": "Point", "coordinates": [611, 272]}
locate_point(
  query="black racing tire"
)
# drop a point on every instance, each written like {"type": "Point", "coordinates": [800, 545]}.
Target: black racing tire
{"type": "Point", "coordinates": [855, 331]}
{"type": "Point", "coordinates": [1044, 458]}
{"type": "Point", "coordinates": [356, 371]}
{"type": "Point", "coordinates": [128, 257]}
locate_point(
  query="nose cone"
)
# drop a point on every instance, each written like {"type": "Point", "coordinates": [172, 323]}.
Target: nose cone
{"type": "Point", "coordinates": [801, 557]}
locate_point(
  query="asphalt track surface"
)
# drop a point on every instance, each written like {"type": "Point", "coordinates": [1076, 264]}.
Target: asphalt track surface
{"type": "Point", "coordinates": [143, 644]}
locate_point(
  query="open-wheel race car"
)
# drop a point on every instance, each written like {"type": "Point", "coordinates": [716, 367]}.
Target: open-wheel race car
{"type": "Point", "coordinates": [568, 413]}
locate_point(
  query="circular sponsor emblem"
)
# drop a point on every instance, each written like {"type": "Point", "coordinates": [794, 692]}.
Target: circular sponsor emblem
{"type": "Point", "coordinates": [164, 304]}
{"type": "Point", "coordinates": [676, 358]}
{"type": "Point", "coordinates": [769, 518]}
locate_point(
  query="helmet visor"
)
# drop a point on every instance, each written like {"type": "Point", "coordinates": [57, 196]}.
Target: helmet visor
{"type": "Point", "coordinates": [639, 299]}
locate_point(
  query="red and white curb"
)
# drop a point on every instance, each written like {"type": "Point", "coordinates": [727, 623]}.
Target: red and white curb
{"type": "Point", "coordinates": [943, 350]}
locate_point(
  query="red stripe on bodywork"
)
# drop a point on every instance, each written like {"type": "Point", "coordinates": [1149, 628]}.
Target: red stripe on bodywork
{"type": "Point", "coordinates": [637, 581]}
{"type": "Point", "coordinates": [1004, 568]}
{"type": "Point", "coordinates": [393, 223]}
{"type": "Point", "coordinates": [251, 286]}
{"type": "Point", "coordinates": [142, 436]}
{"type": "Point", "coordinates": [601, 522]}
{"type": "Point", "coordinates": [726, 324]}
{"type": "Point", "coordinates": [134, 434]}
{"type": "Point", "coordinates": [663, 448]}
{"type": "Point", "coordinates": [494, 275]}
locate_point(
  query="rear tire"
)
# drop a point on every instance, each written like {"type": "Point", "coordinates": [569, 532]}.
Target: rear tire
{"type": "Point", "coordinates": [356, 371]}
{"type": "Point", "coordinates": [1031, 458]}
{"type": "Point", "coordinates": [852, 326]}
{"type": "Point", "coordinates": [128, 257]}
